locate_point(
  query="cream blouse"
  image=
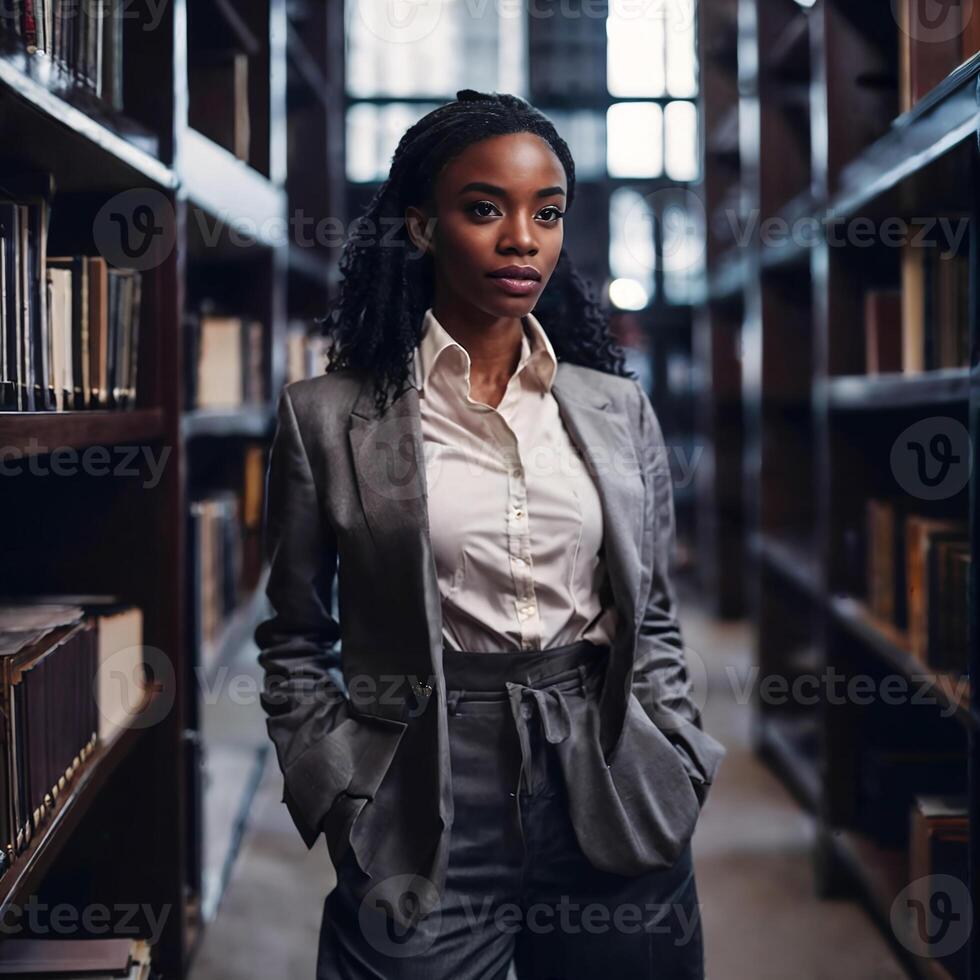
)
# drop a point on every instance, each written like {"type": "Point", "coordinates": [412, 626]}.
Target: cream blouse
{"type": "Point", "coordinates": [515, 519]}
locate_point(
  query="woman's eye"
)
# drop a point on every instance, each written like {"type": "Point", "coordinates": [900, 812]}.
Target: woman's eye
{"type": "Point", "coordinates": [550, 213]}
{"type": "Point", "coordinates": [481, 204]}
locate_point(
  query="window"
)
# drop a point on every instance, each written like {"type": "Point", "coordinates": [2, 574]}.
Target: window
{"type": "Point", "coordinates": [405, 58]}
{"type": "Point", "coordinates": [635, 146]}
{"type": "Point", "coordinates": [656, 223]}
{"type": "Point", "coordinates": [584, 130]}
{"type": "Point", "coordinates": [632, 256]}
{"type": "Point", "coordinates": [373, 132]}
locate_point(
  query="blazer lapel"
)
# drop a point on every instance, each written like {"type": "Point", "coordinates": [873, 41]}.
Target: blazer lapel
{"type": "Point", "coordinates": [389, 460]}
{"type": "Point", "coordinates": [602, 435]}
{"type": "Point", "coordinates": [389, 463]}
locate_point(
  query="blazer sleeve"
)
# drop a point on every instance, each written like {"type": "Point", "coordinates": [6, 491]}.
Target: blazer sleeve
{"type": "Point", "coordinates": [303, 704]}
{"type": "Point", "coordinates": [661, 680]}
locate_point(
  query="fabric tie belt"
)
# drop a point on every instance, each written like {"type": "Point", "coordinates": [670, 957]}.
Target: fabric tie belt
{"type": "Point", "coordinates": [528, 681]}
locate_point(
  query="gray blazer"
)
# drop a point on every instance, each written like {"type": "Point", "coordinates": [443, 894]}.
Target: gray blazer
{"type": "Point", "coordinates": [361, 732]}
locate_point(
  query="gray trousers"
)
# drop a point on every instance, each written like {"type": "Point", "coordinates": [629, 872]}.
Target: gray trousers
{"type": "Point", "coordinates": [519, 889]}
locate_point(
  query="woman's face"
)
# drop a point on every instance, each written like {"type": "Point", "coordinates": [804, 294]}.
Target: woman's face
{"type": "Point", "coordinates": [498, 204]}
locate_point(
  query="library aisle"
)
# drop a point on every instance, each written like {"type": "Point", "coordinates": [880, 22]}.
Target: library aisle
{"type": "Point", "coordinates": [772, 209]}
{"type": "Point", "coordinates": [752, 848]}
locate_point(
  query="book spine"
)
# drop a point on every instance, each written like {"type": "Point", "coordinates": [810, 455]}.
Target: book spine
{"type": "Point", "coordinates": [29, 26]}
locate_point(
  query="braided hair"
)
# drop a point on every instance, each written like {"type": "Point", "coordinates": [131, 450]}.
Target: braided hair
{"type": "Point", "coordinates": [376, 321]}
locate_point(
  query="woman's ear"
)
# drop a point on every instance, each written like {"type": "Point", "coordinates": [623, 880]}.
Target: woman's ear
{"type": "Point", "coordinates": [421, 228]}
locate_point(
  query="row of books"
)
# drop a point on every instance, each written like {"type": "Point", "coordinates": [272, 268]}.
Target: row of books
{"type": "Point", "coordinates": [225, 545]}
{"type": "Point", "coordinates": [918, 571]}
{"type": "Point", "coordinates": [225, 361]}
{"type": "Point", "coordinates": [935, 309]}
{"type": "Point", "coordinates": [306, 353]}
{"type": "Point", "coordinates": [888, 777]}
{"type": "Point", "coordinates": [83, 39]}
{"type": "Point", "coordinates": [924, 325]}
{"type": "Point", "coordinates": [930, 47]}
{"type": "Point", "coordinates": [97, 958]}
{"type": "Point", "coordinates": [71, 675]}
{"type": "Point", "coordinates": [218, 104]}
{"type": "Point", "coordinates": [69, 325]}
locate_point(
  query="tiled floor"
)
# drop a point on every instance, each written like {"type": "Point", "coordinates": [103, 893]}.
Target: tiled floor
{"type": "Point", "coordinates": [762, 919]}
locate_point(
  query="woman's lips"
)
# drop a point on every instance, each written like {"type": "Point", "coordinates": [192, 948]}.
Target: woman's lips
{"type": "Point", "coordinates": [516, 287]}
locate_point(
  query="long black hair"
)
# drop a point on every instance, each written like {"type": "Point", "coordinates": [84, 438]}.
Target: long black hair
{"type": "Point", "coordinates": [375, 323]}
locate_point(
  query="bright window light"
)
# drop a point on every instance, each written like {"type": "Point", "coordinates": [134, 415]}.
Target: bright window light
{"type": "Point", "coordinates": [635, 143]}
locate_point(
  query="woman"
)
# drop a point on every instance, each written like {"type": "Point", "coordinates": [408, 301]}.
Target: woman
{"type": "Point", "coordinates": [505, 759]}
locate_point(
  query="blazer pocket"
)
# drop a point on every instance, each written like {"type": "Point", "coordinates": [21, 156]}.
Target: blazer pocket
{"type": "Point", "coordinates": [362, 827]}
{"type": "Point", "coordinates": [350, 758]}
{"type": "Point", "coordinates": [638, 812]}
{"type": "Point", "coordinates": [700, 753]}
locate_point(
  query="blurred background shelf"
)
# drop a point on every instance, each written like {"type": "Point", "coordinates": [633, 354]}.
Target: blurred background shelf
{"type": "Point", "coordinates": [32, 433]}
{"type": "Point", "coordinates": [250, 421]}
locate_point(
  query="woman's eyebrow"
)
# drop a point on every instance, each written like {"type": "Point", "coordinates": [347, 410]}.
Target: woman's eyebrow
{"type": "Point", "coordinates": [479, 185]}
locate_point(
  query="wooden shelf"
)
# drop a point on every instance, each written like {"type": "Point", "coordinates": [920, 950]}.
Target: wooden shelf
{"type": "Point", "coordinates": [228, 189]}
{"type": "Point", "coordinates": [122, 160]}
{"type": "Point", "coordinates": [816, 93]}
{"type": "Point", "coordinates": [949, 386]}
{"type": "Point", "coordinates": [797, 564]}
{"type": "Point", "coordinates": [946, 117]}
{"type": "Point", "coordinates": [790, 253]}
{"type": "Point", "coordinates": [29, 866]}
{"type": "Point", "coordinates": [311, 266]}
{"type": "Point", "coordinates": [305, 66]}
{"type": "Point", "coordinates": [881, 873]}
{"type": "Point", "coordinates": [251, 421]}
{"type": "Point", "coordinates": [888, 644]}
{"type": "Point", "coordinates": [791, 47]}
{"type": "Point", "coordinates": [37, 433]}
{"type": "Point", "coordinates": [779, 742]}
{"type": "Point", "coordinates": [51, 124]}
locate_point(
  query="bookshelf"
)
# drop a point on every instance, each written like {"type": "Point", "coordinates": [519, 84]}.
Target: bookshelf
{"type": "Point", "coordinates": [822, 123]}
{"type": "Point", "coordinates": [225, 189]}
{"type": "Point", "coordinates": [715, 333]}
